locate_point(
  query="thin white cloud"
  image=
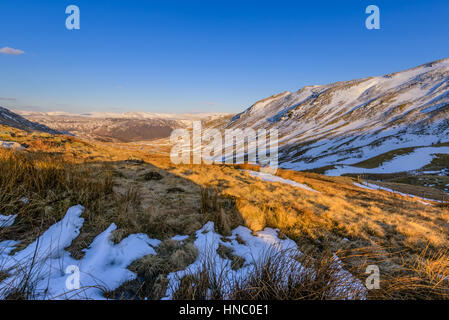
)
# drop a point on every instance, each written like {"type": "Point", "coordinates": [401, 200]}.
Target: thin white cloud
{"type": "Point", "coordinates": [11, 51]}
{"type": "Point", "coordinates": [7, 99]}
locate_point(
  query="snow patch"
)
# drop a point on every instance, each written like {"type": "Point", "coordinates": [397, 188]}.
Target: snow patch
{"type": "Point", "coordinates": [7, 221]}
{"type": "Point", "coordinates": [272, 178]}
{"type": "Point", "coordinates": [253, 248]}
{"type": "Point", "coordinates": [11, 145]}
{"type": "Point", "coordinates": [180, 238]}
{"type": "Point", "coordinates": [104, 266]}
{"type": "Point", "coordinates": [413, 161]}
{"type": "Point", "coordinates": [371, 186]}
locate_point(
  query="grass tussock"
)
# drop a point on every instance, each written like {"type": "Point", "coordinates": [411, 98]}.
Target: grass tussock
{"type": "Point", "coordinates": [425, 277]}
{"type": "Point", "coordinates": [275, 277]}
{"type": "Point", "coordinates": [152, 270]}
{"type": "Point", "coordinates": [39, 188]}
{"type": "Point", "coordinates": [220, 209]}
{"type": "Point", "coordinates": [315, 279]}
{"type": "Point", "coordinates": [444, 205]}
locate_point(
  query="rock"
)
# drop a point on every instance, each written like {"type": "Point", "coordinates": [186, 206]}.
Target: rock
{"type": "Point", "coordinates": [152, 175]}
{"type": "Point", "coordinates": [175, 190]}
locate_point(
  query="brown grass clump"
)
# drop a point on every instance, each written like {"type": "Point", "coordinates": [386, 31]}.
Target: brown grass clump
{"type": "Point", "coordinates": [226, 253]}
{"type": "Point", "coordinates": [220, 209]}
{"type": "Point", "coordinates": [275, 277]}
{"type": "Point", "coordinates": [316, 279]}
{"type": "Point", "coordinates": [151, 271]}
{"type": "Point", "coordinates": [424, 277]}
{"type": "Point", "coordinates": [444, 205]}
{"type": "Point", "coordinates": [40, 188]}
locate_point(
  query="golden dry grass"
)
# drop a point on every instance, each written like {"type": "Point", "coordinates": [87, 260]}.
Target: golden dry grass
{"type": "Point", "coordinates": [392, 230]}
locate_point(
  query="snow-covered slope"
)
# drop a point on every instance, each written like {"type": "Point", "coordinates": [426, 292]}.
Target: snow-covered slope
{"type": "Point", "coordinates": [348, 122]}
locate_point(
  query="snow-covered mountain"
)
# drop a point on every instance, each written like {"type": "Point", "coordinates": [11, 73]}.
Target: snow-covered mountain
{"type": "Point", "coordinates": [12, 119]}
{"type": "Point", "coordinates": [126, 115]}
{"type": "Point", "coordinates": [345, 123]}
{"type": "Point", "coordinates": [125, 127]}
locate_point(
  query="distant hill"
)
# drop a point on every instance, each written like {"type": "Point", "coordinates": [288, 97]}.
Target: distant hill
{"type": "Point", "coordinates": [114, 127]}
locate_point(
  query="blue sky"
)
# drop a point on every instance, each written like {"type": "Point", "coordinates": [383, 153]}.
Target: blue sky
{"type": "Point", "coordinates": [190, 56]}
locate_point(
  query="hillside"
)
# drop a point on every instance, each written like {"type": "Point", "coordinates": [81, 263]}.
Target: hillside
{"type": "Point", "coordinates": [12, 119]}
{"type": "Point", "coordinates": [110, 196]}
{"type": "Point", "coordinates": [143, 228]}
{"type": "Point", "coordinates": [384, 124]}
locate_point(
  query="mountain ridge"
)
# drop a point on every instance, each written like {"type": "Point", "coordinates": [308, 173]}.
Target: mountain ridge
{"type": "Point", "coordinates": [115, 127]}
{"type": "Point", "coordinates": [346, 122]}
